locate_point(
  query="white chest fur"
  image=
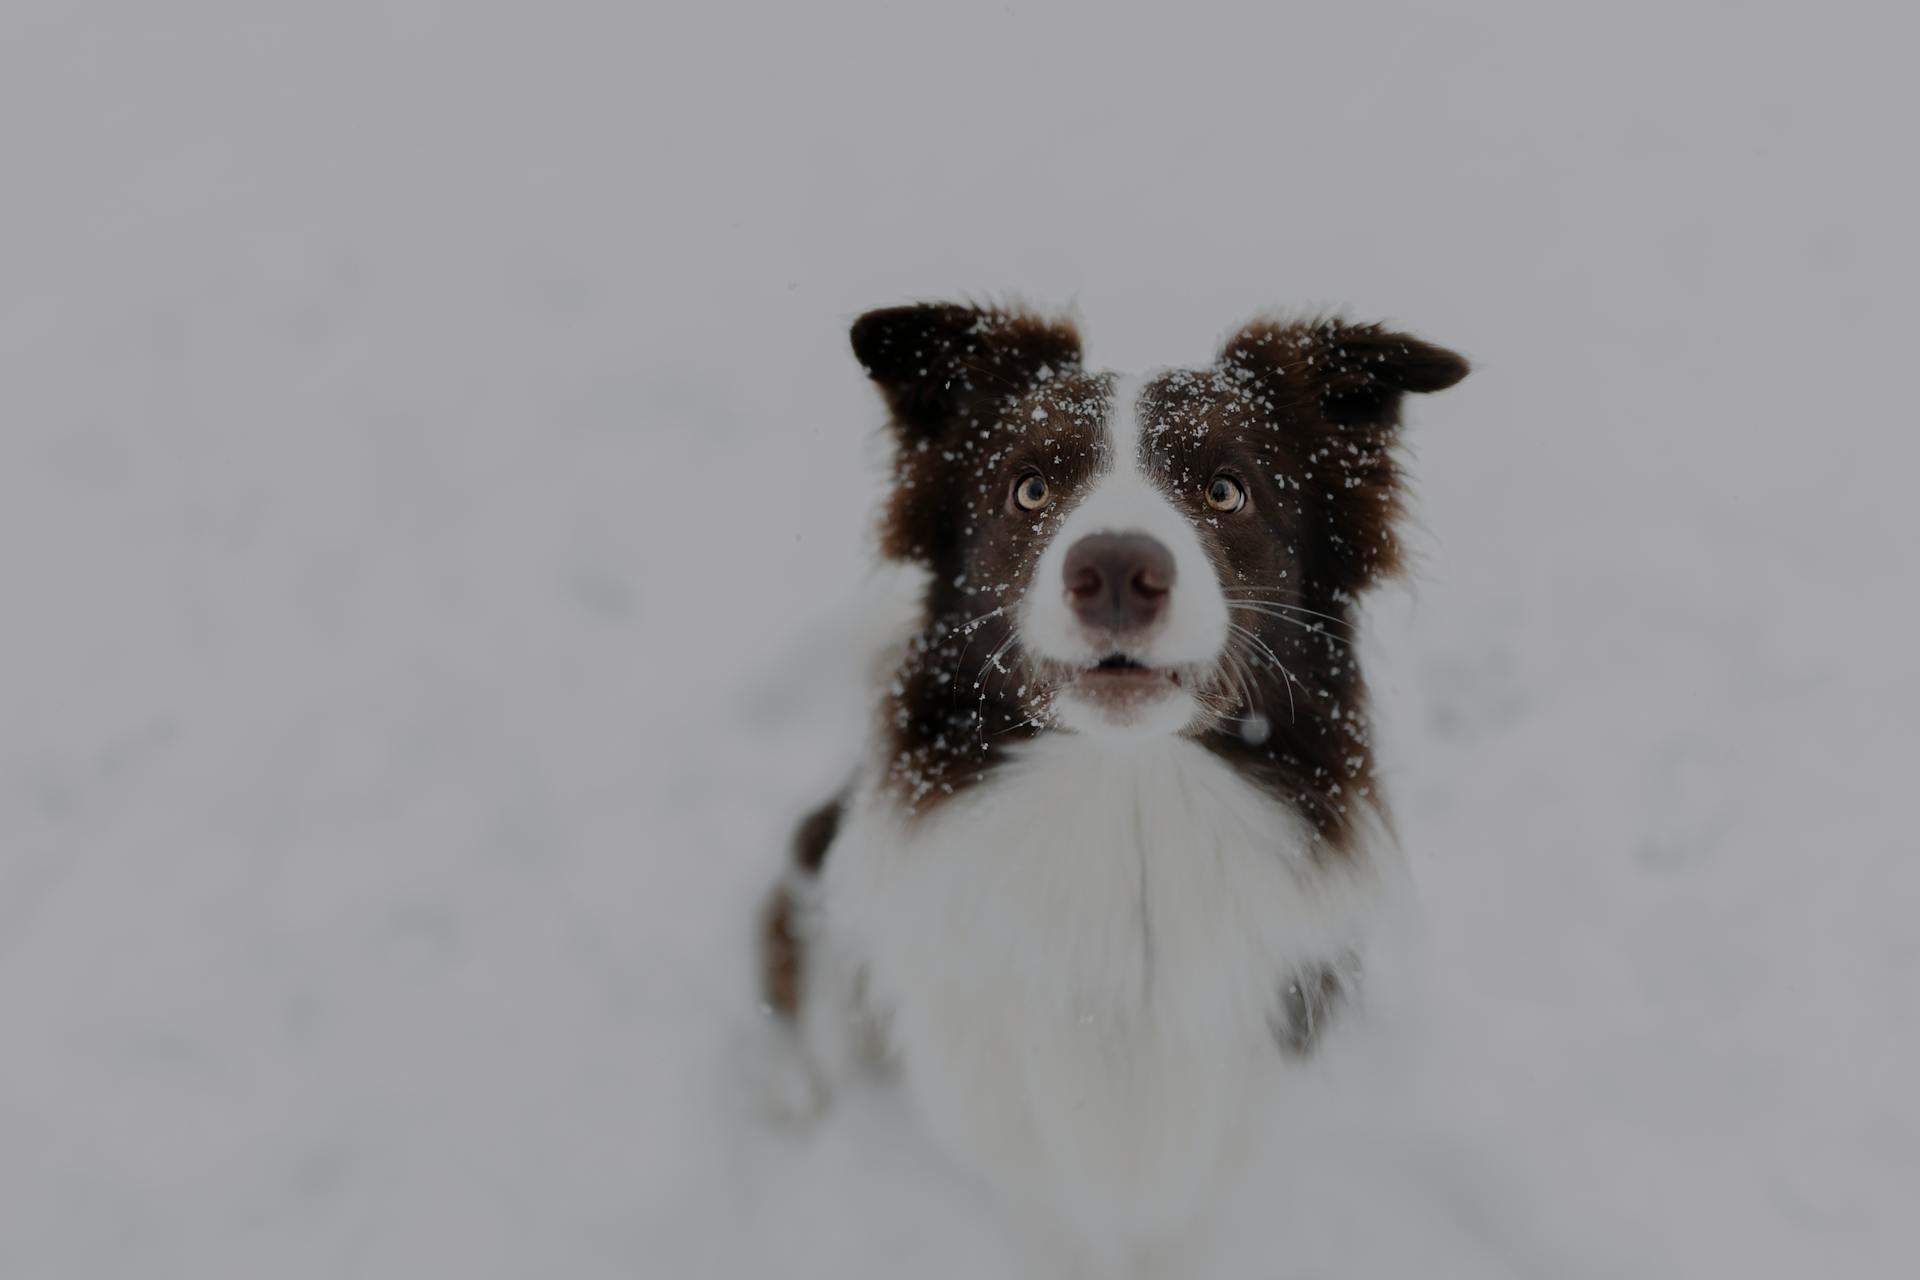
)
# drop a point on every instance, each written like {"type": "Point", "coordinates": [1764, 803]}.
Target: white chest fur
{"type": "Point", "coordinates": [1079, 961]}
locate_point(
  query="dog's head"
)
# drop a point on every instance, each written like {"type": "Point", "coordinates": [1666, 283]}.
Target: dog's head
{"type": "Point", "coordinates": [1169, 554]}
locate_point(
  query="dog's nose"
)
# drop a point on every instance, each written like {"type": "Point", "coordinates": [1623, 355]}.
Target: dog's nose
{"type": "Point", "coordinates": [1118, 581]}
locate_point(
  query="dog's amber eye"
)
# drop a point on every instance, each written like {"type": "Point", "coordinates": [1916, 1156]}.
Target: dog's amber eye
{"type": "Point", "coordinates": [1225, 494]}
{"type": "Point", "coordinates": [1030, 491]}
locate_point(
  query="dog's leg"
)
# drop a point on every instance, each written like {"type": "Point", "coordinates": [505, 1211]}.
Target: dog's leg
{"type": "Point", "coordinates": [784, 923]}
{"type": "Point", "coordinates": [806, 984]}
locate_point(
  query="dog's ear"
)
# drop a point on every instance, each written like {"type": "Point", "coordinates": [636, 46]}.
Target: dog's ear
{"type": "Point", "coordinates": [1357, 372]}
{"type": "Point", "coordinates": [932, 359]}
{"type": "Point", "coordinates": [1338, 387]}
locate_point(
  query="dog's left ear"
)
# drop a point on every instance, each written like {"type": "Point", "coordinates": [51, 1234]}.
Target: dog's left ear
{"type": "Point", "coordinates": [1333, 381]}
{"type": "Point", "coordinates": [934, 359]}
{"type": "Point", "coordinates": [1357, 372]}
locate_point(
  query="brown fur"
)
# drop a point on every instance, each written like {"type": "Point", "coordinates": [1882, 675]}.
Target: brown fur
{"type": "Point", "coordinates": [1305, 416]}
{"type": "Point", "coordinates": [782, 954]}
{"type": "Point", "coordinates": [782, 945]}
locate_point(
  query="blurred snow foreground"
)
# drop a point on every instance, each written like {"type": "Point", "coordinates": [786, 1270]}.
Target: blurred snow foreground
{"type": "Point", "coordinates": [433, 487]}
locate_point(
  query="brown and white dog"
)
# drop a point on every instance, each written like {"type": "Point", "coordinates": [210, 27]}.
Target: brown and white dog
{"type": "Point", "coordinates": [1114, 854]}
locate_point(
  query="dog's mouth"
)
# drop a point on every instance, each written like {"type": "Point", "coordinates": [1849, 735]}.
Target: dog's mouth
{"type": "Point", "coordinates": [1120, 679]}
{"type": "Point", "coordinates": [1122, 691]}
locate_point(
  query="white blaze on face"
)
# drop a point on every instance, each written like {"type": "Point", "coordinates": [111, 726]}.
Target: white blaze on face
{"type": "Point", "coordinates": [1192, 629]}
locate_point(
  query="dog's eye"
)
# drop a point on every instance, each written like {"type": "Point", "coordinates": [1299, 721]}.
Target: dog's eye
{"type": "Point", "coordinates": [1030, 491]}
{"type": "Point", "coordinates": [1225, 494]}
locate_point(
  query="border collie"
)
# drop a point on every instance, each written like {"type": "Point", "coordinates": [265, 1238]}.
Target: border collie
{"type": "Point", "coordinates": [1111, 860]}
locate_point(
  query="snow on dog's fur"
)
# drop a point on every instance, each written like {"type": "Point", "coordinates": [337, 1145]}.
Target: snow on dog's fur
{"type": "Point", "coordinates": [1113, 859]}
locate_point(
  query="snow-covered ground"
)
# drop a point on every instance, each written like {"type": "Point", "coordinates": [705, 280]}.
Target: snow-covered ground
{"type": "Point", "coordinates": [432, 482]}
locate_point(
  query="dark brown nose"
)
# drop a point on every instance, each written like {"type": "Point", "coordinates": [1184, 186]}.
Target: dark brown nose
{"type": "Point", "coordinates": [1118, 581]}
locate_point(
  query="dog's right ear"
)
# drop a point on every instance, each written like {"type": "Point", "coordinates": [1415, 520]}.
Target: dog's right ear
{"type": "Point", "coordinates": [934, 359]}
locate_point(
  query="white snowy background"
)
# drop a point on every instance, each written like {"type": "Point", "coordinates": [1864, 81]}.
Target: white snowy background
{"type": "Point", "coordinates": [433, 489]}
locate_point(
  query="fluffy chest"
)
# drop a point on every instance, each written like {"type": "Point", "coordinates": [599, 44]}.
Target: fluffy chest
{"type": "Point", "coordinates": [1080, 962]}
{"type": "Point", "coordinates": [1144, 883]}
